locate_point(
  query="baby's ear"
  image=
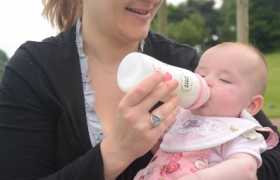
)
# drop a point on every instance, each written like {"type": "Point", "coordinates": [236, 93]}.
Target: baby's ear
{"type": "Point", "coordinates": [255, 105]}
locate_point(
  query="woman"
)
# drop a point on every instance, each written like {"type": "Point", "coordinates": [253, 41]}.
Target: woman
{"type": "Point", "coordinates": [62, 115]}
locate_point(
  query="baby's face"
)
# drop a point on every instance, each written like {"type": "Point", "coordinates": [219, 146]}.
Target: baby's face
{"type": "Point", "coordinates": [227, 72]}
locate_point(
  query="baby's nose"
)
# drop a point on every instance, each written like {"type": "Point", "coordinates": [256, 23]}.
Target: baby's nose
{"type": "Point", "coordinates": [209, 80]}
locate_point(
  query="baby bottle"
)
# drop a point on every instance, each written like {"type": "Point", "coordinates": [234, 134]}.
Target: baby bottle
{"type": "Point", "coordinates": [135, 67]}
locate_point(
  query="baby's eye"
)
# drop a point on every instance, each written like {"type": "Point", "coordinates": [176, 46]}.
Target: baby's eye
{"type": "Point", "coordinates": [201, 74]}
{"type": "Point", "coordinates": [225, 81]}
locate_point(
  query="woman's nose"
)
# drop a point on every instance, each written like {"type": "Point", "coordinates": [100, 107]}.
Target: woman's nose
{"type": "Point", "coordinates": [155, 1]}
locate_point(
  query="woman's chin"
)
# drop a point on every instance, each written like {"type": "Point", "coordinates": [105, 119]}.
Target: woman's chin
{"type": "Point", "coordinates": [140, 34]}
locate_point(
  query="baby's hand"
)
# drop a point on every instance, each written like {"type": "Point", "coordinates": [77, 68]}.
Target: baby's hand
{"type": "Point", "coordinates": [189, 177]}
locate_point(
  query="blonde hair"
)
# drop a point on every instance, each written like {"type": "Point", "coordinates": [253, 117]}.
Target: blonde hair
{"type": "Point", "coordinates": [260, 75]}
{"type": "Point", "coordinates": [62, 13]}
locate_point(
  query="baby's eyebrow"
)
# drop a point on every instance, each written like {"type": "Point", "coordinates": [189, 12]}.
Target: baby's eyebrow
{"type": "Point", "coordinates": [200, 69]}
{"type": "Point", "coordinates": [226, 71]}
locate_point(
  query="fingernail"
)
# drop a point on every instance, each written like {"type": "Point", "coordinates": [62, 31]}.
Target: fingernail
{"type": "Point", "coordinates": [167, 77]}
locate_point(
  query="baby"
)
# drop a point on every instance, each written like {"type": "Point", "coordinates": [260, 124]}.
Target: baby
{"type": "Point", "coordinates": [218, 140]}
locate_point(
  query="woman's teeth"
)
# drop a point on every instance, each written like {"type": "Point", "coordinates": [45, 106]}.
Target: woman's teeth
{"type": "Point", "coordinates": [137, 11]}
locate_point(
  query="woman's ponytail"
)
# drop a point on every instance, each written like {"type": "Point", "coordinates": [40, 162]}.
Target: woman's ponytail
{"type": "Point", "coordinates": [62, 13]}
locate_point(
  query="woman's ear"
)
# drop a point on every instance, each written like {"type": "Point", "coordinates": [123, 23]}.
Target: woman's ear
{"type": "Point", "coordinates": [255, 105]}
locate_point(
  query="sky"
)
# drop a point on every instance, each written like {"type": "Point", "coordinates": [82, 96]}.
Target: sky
{"type": "Point", "coordinates": [21, 21]}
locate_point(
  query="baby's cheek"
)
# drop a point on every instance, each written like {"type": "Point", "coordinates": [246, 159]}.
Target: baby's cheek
{"type": "Point", "coordinates": [228, 106]}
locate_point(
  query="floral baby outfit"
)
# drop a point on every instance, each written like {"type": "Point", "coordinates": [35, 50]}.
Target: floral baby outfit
{"type": "Point", "coordinates": [197, 142]}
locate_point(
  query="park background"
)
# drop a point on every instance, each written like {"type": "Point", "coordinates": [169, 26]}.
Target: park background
{"type": "Point", "coordinates": [200, 23]}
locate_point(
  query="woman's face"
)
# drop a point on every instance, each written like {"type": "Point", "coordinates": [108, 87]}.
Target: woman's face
{"type": "Point", "coordinates": [125, 20]}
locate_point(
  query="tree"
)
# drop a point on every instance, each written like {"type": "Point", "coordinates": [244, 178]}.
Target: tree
{"type": "Point", "coordinates": [184, 22]}
{"type": "Point", "coordinates": [220, 25]}
{"type": "Point", "coordinates": [186, 9]}
{"type": "Point", "coordinates": [188, 31]}
{"type": "Point", "coordinates": [242, 21]}
{"type": "Point", "coordinates": [177, 13]}
{"type": "Point", "coordinates": [227, 26]}
{"type": "Point", "coordinates": [3, 60]}
{"type": "Point", "coordinates": [162, 19]}
{"type": "Point", "coordinates": [264, 23]}
{"type": "Point", "coordinates": [264, 18]}
{"type": "Point", "coordinates": [207, 11]}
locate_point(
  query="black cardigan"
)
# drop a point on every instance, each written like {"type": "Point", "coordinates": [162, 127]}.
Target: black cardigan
{"type": "Point", "coordinates": [43, 127]}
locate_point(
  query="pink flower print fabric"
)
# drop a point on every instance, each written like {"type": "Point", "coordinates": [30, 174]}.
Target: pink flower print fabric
{"type": "Point", "coordinates": [171, 166]}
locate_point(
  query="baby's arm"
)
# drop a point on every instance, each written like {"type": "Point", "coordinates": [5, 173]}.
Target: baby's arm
{"type": "Point", "coordinates": [236, 160]}
{"type": "Point", "coordinates": [237, 166]}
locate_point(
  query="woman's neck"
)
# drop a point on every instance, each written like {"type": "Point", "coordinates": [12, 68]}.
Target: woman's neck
{"type": "Point", "coordinates": [105, 49]}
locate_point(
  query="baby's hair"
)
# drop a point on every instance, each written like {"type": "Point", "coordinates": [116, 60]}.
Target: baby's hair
{"type": "Point", "coordinates": [62, 13]}
{"type": "Point", "coordinates": [260, 72]}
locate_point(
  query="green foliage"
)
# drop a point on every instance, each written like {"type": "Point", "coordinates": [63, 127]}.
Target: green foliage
{"type": "Point", "coordinates": [3, 60]}
{"type": "Point", "coordinates": [271, 105]}
{"type": "Point", "coordinates": [177, 13]}
{"type": "Point", "coordinates": [192, 22]}
{"type": "Point", "coordinates": [203, 6]}
{"type": "Point", "coordinates": [227, 27]}
{"type": "Point", "coordinates": [188, 31]}
{"type": "Point", "coordinates": [154, 24]}
{"type": "Point", "coordinates": [264, 21]}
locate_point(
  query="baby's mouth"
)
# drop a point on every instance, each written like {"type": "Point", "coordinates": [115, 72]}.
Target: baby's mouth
{"type": "Point", "coordinates": [137, 11]}
{"type": "Point", "coordinates": [205, 104]}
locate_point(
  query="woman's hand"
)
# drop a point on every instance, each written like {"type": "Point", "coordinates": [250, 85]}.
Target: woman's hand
{"type": "Point", "coordinates": [133, 134]}
{"type": "Point", "coordinates": [156, 146]}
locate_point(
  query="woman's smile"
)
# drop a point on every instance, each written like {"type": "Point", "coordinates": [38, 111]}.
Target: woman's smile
{"type": "Point", "coordinates": [143, 12]}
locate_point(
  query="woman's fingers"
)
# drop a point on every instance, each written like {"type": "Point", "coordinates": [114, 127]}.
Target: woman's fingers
{"type": "Point", "coordinates": [168, 111]}
{"type": "Point", "coordinates": [139, 92]}
{"type": "Point", "coordinates": [147, 90]}
{"type": "Point", "coordinates": [159, 92]}
{"type": "Point", "coordinates": [134, 107]}
{"type": "Point", "coordinates": [137, 103]}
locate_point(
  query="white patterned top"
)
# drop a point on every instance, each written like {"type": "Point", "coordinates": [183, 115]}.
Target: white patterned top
{"type": "Point", "coordinates": [94, 125]}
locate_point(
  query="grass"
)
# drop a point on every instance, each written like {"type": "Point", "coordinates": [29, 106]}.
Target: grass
{"type": "Point", "coordinates": [271, 105]}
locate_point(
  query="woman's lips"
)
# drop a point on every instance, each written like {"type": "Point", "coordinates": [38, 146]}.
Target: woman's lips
{"type": "Point", "coordinates": [138, 11]}
{"type": "Point", "coordinates": [140, 14]}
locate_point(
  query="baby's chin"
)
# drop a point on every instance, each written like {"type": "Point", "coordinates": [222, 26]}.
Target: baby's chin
{"type": "Point", "coordinates": [201, 111]}
{"type": "Point", "coordinates": [206, 111]}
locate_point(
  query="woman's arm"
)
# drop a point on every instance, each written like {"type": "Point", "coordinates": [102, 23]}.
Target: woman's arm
{"type": "Point", "coordinates": [29, 133]}
{"type": "Point", "coordinates": [265, 122]}
{"type": "Point", "coordinates": [270, 168]}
